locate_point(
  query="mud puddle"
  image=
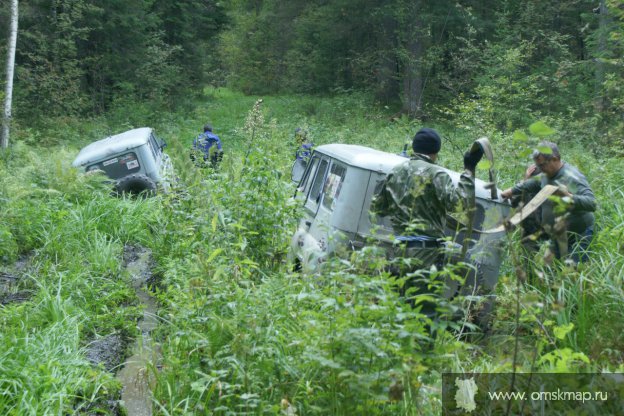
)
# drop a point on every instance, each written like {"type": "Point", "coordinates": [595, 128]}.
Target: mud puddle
{"type": "Point", "coordinates": [14, 288]}
{"type": "Point", "coordinates": [137, 374]}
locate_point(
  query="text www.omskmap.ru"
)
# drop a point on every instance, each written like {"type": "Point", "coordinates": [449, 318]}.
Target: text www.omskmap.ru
{"type": "Point", "coordinates": [580, 396]}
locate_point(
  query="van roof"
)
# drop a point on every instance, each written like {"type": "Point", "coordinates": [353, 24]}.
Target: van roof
{"type": "Point", "coordinates": [383, 162]}
{"type": "Point", "coordinates": [361, 156]}
{"type": "Point", "coordinates": [112, 145]}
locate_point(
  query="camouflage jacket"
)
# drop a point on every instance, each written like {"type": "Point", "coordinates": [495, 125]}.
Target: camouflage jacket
{"type": "Point", "coordinates": [419, 195]}
{"type": "Point", "coordinates": [580, 213]}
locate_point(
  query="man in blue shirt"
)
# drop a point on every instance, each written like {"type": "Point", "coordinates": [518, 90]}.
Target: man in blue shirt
{"type": "Point", "coordinates": [304, 151]}
{"type": "Point", "coordinates": [204, 142]}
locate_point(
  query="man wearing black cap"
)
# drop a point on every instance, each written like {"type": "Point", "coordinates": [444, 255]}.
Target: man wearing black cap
{"type": "Point", "coordinates": [418, 195]}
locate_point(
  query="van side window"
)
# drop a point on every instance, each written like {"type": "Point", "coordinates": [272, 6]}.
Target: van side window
{"type": "Point", "coordinates": [155, 148]}
{"type": "Point", "coordinates": [306, 182]}
{"type": "Point", "coordinates": [383, 222]}
{"type": "Point", "coordinates": [314, 195]}
{"type": "Point", "coordinates": [333, 184]}
{"type": "Point", "coordinates": [378, 186]}
{"type": "Point", "coordinates": [383, 225]}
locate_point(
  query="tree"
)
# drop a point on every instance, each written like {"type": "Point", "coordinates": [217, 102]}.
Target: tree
{"type": "Point", "coordinates": [77, 57]}
{"type": "Point", "coordinates": [413, 42]}
{"type": "Point", "coordinates": [8, 98]}
{"type": "Point", "coordinates": [51, 67]}
{"type": "Point", "coordinates": [191, 27]}
{"type": "Point", "coordinates": [601, 53]}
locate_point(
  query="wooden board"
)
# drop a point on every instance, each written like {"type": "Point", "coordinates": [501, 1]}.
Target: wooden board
{"type": "Point", "coordinates": [541, 197]}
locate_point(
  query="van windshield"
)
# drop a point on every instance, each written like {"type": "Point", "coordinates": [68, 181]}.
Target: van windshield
{"type": "Point", "coordinates": [306, 182]}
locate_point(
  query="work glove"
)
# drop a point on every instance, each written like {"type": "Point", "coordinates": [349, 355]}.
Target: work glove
{"type": "Point", "coordinates": [472, 158]}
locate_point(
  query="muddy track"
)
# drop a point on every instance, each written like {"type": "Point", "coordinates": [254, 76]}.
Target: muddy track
{"type": "Point", "coordinates": [137, 375]}
{"type": "Point", "coordinates": [137, 372]}
{"type": "Point", "coordinates": [134, 361]}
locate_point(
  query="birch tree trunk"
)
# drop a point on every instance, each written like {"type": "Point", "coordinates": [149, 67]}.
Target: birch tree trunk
{"type": "Point", "coordinates": [603, 22]}
{"type": "Point", "coordinates": [8, 98]}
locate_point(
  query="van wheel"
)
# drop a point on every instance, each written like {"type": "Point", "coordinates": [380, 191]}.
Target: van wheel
{"type": "Point", "coordinates": [135, 184]}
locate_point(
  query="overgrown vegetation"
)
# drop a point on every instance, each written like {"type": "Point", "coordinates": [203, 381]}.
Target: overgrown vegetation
{"type": "Point", "coordinates": [517, 61]}
{"type": "Point", "coordinates": [240, 332]}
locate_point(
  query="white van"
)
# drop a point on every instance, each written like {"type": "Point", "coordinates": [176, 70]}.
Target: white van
{"type": "Point", "coordinates": [336, 188]}
{"type": "Point", "coordinates": [134, 159]}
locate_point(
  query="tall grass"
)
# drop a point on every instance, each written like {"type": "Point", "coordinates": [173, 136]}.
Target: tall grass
{"type": "Point", "coordinates": [73, 234]}
{"type": "Point", "coordinates": [240, 332]}
{"type": "Point", "coordinates": [42, 366]}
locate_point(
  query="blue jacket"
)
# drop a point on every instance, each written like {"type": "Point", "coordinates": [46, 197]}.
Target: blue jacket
{"type": "Point", "coordinates": [205, 141]}
{"type": "Point", "coordinates": [304, 152]}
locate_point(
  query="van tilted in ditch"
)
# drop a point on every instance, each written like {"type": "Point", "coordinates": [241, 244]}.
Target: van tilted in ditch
{"type": "Point", "coordinates": [134, 159]}
{"type": "Point", "coordinates": [336, 187]}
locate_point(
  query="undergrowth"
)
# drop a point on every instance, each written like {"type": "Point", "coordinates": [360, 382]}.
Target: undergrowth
{"type": "Point", "coordinates": [241, 333]}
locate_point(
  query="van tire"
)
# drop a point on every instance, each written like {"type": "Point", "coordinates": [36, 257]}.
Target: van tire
{"type": "Point", "coordinates": [296, 266]}
{"type": "Point", "coordinates": [135, 184]}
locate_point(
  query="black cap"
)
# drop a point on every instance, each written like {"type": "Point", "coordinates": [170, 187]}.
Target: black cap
{"type": "Point", "coordinates": [207, 127]}
{"type": "Point", "coordinates": [427, 141]}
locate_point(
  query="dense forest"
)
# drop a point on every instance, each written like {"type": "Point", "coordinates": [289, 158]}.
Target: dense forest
{"type": "Point", "coordinates": [238, 330]}
{"type": "Point", "coordinates": [512, 62]}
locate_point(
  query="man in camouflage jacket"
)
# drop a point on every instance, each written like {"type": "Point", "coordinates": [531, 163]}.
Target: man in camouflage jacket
{"type": "Point", "coordinates": [418, 196]}
{"type": "Point", "coordinates": [573, 216]}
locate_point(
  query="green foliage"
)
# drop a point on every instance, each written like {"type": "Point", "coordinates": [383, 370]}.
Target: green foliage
{"type": "Point", "coordinates": [77, 57]}
{"type": "Point", "coordinates": [69, 234]}
{"type": "Point", "coordinates": [501, 63]}
{"type": "Point", "coordinates": [44, 372]}
{"type": "Point", "coordinates": [540, 129]}
{"type": "Point", "coordinates": [239, 331]}
{"type": "Point", "coordinates": [8, 245]}
{"type": "Point", "coordinates": [51, 74]}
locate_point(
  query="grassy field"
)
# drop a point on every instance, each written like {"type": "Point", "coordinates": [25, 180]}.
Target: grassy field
{"type": "Point", "coordinates": [240, 333]}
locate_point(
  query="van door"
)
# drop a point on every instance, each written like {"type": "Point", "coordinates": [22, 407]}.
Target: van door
{"type": "Point", "coordinates": [381, 227]}
{"type": "Point", "coordinates": [486, 250]}
{"type": "Point", "coordinates": [314, 184]}
{"type": "Point", "coordinates": [322, 200]}
{"type": "Point", "coordinates": [305, 249]}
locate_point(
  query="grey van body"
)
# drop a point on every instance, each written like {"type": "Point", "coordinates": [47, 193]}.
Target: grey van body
{"type": "Point", "coordinates": [134, 159]}
{"type": "Point", "coordinates": [336, 190]}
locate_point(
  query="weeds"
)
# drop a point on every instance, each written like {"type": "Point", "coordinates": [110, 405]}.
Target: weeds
{"type": "Point", "coordinates": [241, 333]}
